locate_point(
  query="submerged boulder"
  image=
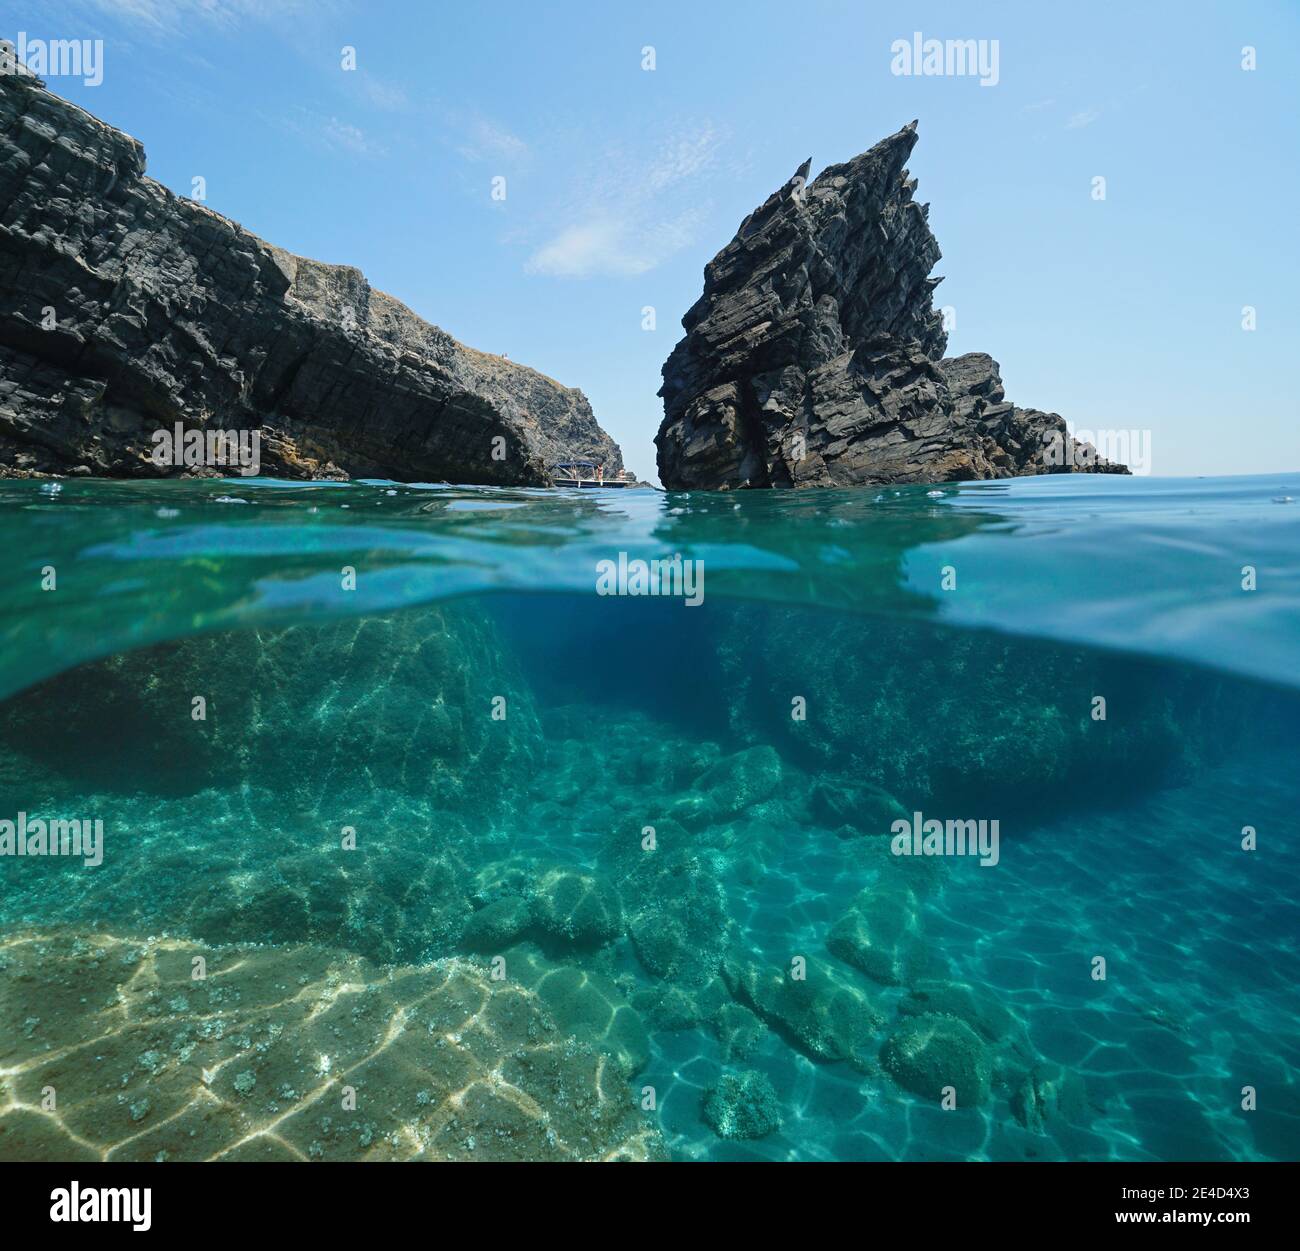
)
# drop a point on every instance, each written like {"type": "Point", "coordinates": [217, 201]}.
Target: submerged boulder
{"type": "Point", "coordinates": [854, 809]}
{"type": "Point", "coordinates": [742, 1105]}
{"type": "Point", "coordinates": [1049, 1095]}
{"type": "Point", "coordinates": [579, 909]}
{"type": "Point", "coordinates": [728, 787]}
{"type": "Point", "coordinates": [738, 1030]}
{"type": "Point", "coordinates": [678, 921]}
{"type": "Point", "coordinates": [974, 1005]}
{"type": "Point", "coordinates": [928, 1054]}
{"type": "Point", "coordinates": [815, 355]}
{"type": "Point", "coordinates": [328, 793]}
{"type": "Point", "coordinates": [959, 722]}
{"type": "Point", "coordinates": [880, 933]}
{"type": "Point", "coordinates": [396, 903]}
{"type": "Point", "coordinates": [740, 781]}
{"type": "Point", "coordinates": [327, 715]}
{"type": "Point", "coordinates": [821, 1011]}
{"type": "Point", "coordinates": [496, 926]}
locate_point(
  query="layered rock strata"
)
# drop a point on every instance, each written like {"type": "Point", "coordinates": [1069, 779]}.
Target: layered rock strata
{"type": "Point", "coordinates": [125, 309]}
{"type": "Point", "coordinates": [815, 356]}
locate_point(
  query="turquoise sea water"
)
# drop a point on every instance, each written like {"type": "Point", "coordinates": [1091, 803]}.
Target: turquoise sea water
{"type": "Point", "coordinates": [672, 822]}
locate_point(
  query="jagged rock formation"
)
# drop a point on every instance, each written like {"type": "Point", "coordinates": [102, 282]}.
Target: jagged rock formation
{"type": "Point", "coordinates": [815, 355]}
{"type": "Point", "coordinates": [159, 310]}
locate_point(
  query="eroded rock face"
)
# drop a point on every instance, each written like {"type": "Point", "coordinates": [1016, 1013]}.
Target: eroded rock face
{"type": "Point", "coordinates": [125, 309]}
{"type": "Point", "coordinates": [815, 355]}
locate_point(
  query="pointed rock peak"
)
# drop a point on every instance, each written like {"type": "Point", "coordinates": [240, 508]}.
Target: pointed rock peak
{"type": "Point", "coordinates": [799, 179]}
{"type": "Point", "coordinates": [820, 318]}
{"type": "Point", "coordinates": [893, 150]}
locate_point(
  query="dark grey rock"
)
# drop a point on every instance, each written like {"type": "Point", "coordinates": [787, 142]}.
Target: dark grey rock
{"type": "Point", "coordinates": [815, 355]}
{"type": "Point", "coordinates": [165, 311]}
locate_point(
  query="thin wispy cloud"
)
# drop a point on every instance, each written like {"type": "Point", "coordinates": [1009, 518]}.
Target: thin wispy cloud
{"type": "Point", "coordinates": [683, 157]}
{"type": "Point", "coordinates": [330, 133]}
{"type": "Point", "coordinates": [479, 139]}
{"type": "Point", "coordinates": [611, 248]}
{"type": "Point", "coordinates": [344, 135]}
{"type": "Point", "coordinates": [1081, 119]}
{"type": "Point", "coordinates": [180, 20]}
{"type": "Point", "coordinates": [171, 17]}
{"type": "Point", "coordinates": [633, 213]}
{"type": "Point", "coordinates": [384, 95]}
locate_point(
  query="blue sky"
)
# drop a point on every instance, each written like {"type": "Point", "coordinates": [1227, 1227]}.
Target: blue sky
{"type": "Point", "coordinates": [622, 182]}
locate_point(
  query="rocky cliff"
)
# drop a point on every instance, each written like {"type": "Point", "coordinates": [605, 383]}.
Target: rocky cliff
{"type": "Point", "coordinates": [815, 355]}
{"type": "Point", "coordinates": [125, 309]}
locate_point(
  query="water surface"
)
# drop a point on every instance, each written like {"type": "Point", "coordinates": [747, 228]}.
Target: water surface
{"type": "Point", "coordinates": [668, 824]}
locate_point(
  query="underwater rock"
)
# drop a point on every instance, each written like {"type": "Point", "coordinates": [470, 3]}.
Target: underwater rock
{"type": "Point", "coordinates": [167, 312]}
{"type": "Point", "coordinates": [742, 1105]}
{"type": "Point", "coordinates": [668, 1007]}
{"type": "Point", "coordinates": [628, 848]}
{"type": "Point", "coordinates": [250, 1062]}
{"type": "Point", "coordinates": [813, 357]}
{"type": "Point", "coordinates": [740, 781]}
{"type": "Point", "coordinates": [738, 1030]}
{"type": "Point", "coordinates": [1050, 1094]}
{"type": "Point", "coordinates": [922, 875]}
{"type": "Point", "coordinates": [393, 904]}
{"type": "Point", "coordinates": [338, 769]}
{"type": "Point", "coordinates": [678, 918]}
{"type": "Point", "coordinates": [965, 723]}
{"type": "Point", "coordinates": [495, 927]}
{"type": "Point", "coordinates": [856, 809]}
{"type": "Point", "coordinates": [971, 1004]}
{"type": "Point", "coordinates": [584, 1004]}
{"type": "Point", "coordinates": [400, 701]}
{"type": "Point", "coordinates": [672, 765]}
{"type": "Point", "coordinates": [577, 908]}
{"type": "Point", "coordinates": [879, 933]}
{"type": "Point", "coordinates": [927, 1053]}
{"type": "Point", "coordinates": [229, 878]}
{"type": "Point", "coordinates": [823, 1013]}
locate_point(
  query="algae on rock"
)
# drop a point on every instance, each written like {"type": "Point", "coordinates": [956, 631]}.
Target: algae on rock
{"type": "Point", "coordinates": [252, 1061]}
